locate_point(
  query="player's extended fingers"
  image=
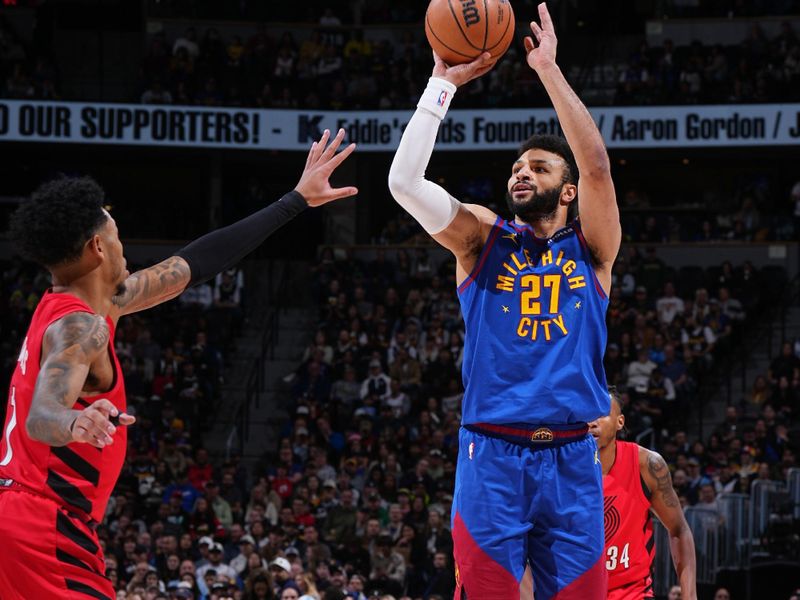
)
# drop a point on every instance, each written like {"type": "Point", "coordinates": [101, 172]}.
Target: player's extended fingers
{"type": "Point", "coordinates": [529, 45]}
{"type": "Point", "coordinates": [320, 147]}
{"type": "Point", "coordinates": [544, 17]}
{"type": "Point", "coordinates": [330, 151]}
{"type": "Point", "coordinates": [537, 31]}
{"type": "Point", "coordinates": [310, 154]}
{"type": "Point", "coordinates": [344, 192]}
{"type": "Point", "coordinates": [340, 158]}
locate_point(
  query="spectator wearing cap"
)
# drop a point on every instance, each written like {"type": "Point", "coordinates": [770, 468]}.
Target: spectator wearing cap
{"type": "Point", "coordinates": [377, 383]}
{"type": "Point", "coordinates": [247, 546]}
{"type": "Point", "coordinates": [281, 570]}
{"type": "Point", "coordinates": [351, 467]}
{"type": "Point", "coordinates": [695, 480]}
{"type": "Point", "coordinates": [327, 500]}
{"type": "Point", "coordinates": [215, 561]}
{"type": "Point", "coordinates": [184, 590]}
{"type": "Point", "coordinates": [169, 453]}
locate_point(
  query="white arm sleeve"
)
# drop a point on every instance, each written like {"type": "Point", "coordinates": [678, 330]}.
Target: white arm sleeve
{"type": "Point", "coordinates": [427, 202]}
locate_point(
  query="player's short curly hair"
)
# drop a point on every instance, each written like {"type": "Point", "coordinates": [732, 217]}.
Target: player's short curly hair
{"type": "Point", "coordinates": [52, 226]}
{"type": "Point", "coordinates": [557, 145]}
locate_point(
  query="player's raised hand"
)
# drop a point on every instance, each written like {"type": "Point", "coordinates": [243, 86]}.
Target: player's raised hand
{"type": "Point", "coordinates": [321, 162]}
{"type": "Point", "coordinates": [458, 75]}
{"type": "Point", "coordinates": [541, 48]}
{"type": "Point", "coordinates": [93, 424]}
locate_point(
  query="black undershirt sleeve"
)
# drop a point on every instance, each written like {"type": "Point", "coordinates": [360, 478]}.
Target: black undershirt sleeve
{"type": "Point", "coordinates": [223, 248]}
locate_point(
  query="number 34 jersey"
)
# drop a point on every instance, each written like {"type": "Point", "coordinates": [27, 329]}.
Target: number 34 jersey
{"type": "Point", "coordinates": [629, 543]}
{"type": "Point", "coordinates": [535, 330]}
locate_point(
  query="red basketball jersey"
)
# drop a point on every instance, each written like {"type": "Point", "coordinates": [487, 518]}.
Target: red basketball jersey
{"type": "Point", "coordinates": [76, 476]}
{"type": "Point", "coordinates": [629, 547]}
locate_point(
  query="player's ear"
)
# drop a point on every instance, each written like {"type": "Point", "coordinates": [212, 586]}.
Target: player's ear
{"type": "Point", "coordinates": [94, 246]}
{"type": "Point", "coordinates": [620, 422]}
{"type": "Point", "coordinates": [569, 192]}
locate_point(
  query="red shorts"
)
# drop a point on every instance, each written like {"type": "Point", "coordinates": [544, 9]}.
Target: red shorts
{"type": "Point", "coordinates": [47, 552]}
{"type": "Point", "coordinates": [636, 590]}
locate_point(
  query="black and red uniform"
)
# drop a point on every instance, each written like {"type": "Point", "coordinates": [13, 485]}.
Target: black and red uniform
{"type": "Point", "coordinates": [630, 546]}
{"type": "Point", "coordinates": [52, 498]}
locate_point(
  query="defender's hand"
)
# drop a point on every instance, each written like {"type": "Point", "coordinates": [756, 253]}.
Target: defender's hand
{"type": "Point", "coordinates": [93, 424]}
{"type": "Point", "coordinates": [542, 52]}
{"type": "Point", "coordinates": [320, 165]}
{"type": "Point", "coordinates": [461, 74]}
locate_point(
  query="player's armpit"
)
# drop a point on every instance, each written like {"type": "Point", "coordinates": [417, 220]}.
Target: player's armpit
{"type": "Point", "coordinates": [152, 286]}
{"type": "Point", "coordinates": [69, 347]}
{"type": "Point", "coordinates": [466, 236]}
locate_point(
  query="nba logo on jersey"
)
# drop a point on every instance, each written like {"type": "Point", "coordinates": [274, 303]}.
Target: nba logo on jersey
{"type": "Point", "coordinates": [442, 98]}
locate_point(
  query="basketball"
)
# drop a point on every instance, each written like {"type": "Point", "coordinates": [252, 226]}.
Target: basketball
{"type": "Point", "coordinates": [461, 30]}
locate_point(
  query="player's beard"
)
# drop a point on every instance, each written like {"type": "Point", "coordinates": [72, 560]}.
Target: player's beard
{"type": "Point", "coordinates": [541, 206]}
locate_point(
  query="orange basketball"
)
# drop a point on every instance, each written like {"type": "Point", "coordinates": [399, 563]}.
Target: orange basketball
{"type": "Point", "coordinates": [461, 30]}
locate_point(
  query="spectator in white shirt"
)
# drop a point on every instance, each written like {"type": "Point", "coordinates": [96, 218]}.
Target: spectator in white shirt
{"type": "Point", "coordinates": [668, 305]}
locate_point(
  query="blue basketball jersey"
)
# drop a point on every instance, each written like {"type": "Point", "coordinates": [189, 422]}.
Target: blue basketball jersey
{"type": "Point", "coordinates": [535, 330]}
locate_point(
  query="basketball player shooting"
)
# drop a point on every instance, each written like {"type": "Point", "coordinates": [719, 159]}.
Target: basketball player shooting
{"type": "Point", "coordinates": [533, 291]}
{"type": "Point", "coordinates": [65, 433]}
{"type": "Point", "coordinates": [636, 481]}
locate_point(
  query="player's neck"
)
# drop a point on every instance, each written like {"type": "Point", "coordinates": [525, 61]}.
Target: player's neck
{"type": "Point", "coordinates": [608, 455]}
{"type": "Point", "coordinates": [545, 227]}
{"type": "Point", "coordinates": [87, 289]}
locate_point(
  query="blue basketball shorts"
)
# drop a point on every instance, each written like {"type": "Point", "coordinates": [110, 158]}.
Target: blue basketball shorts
{"type": "Point", "coordinates": [522, 502]}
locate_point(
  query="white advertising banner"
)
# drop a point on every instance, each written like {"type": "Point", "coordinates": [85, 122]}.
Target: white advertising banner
{"type": "Point", "coordinates": [462, 130]}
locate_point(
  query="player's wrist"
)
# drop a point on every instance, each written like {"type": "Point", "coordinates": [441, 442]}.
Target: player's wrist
{"type": "Point", "coordinates": [547, 69]}
{"type": "Point", "coordinates": [437, 96]}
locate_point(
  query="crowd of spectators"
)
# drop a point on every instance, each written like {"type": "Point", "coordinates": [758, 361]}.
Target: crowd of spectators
{"type": "Point", "coordinates": [337, 68]}
{"type": "Point", "coordinates": [24, 74]}
{"type": "Point", "coordinates": [758, 69]}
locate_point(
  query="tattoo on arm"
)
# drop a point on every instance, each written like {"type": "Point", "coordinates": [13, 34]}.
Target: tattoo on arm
{"type": "Point", "coordinates": [74, 341]}
{"type": "Point", "coordinates": [154, 285]}
{"type": "Point", "coordinates": [660, 472]}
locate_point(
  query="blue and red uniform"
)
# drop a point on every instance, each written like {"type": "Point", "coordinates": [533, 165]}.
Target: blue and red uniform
{"type": "Point", "coordinates": [529, 482]}
{"type": "Point", "coordinates": [52, 498]}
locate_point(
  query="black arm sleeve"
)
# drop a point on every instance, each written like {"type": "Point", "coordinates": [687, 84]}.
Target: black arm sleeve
{"type": "Point", "coordinates": [223, 248]}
